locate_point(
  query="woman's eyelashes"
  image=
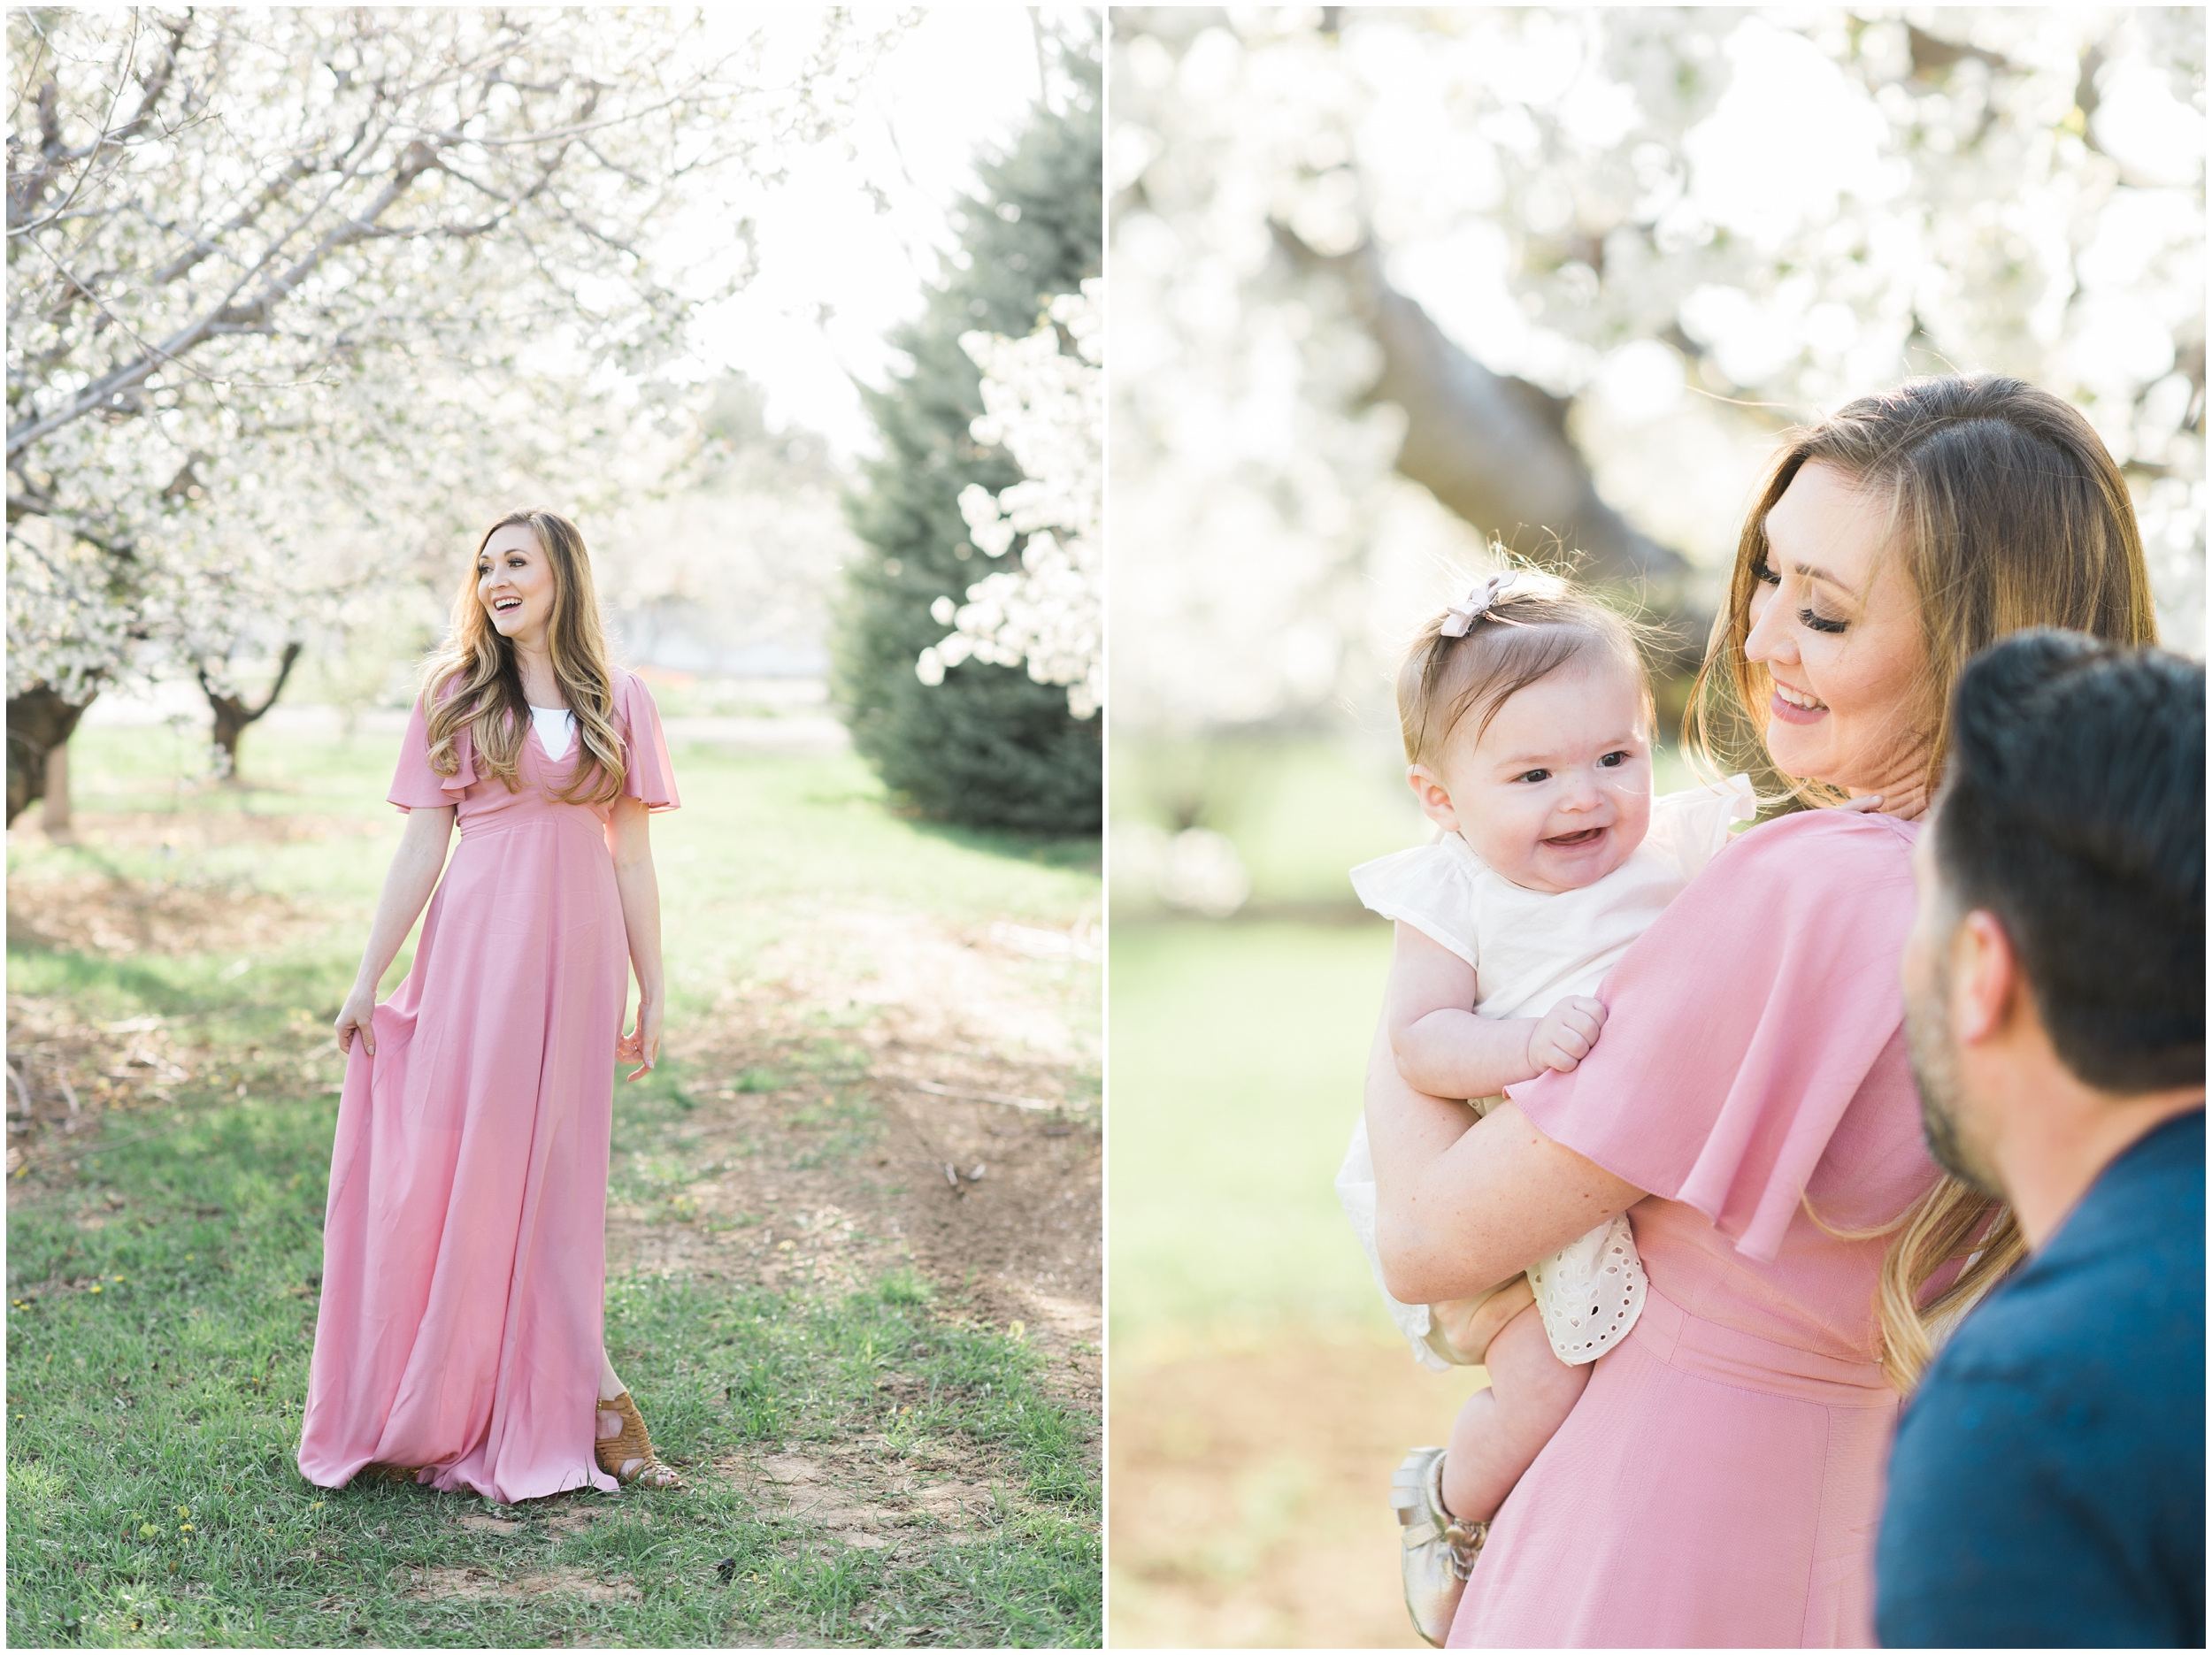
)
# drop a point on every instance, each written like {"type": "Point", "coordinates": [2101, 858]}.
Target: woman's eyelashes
{"type": "Point", "coordinates": [1764, 573]}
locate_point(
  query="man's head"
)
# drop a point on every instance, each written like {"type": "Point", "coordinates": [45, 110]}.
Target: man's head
{"type": "Point", "coordinates": [2062, 889]}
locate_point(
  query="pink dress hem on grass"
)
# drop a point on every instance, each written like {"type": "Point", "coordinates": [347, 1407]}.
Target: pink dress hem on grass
{"type": "Point", "coordinates": [464, 1243]}
{"type": "Point", "coordinates": [1720, 1482]}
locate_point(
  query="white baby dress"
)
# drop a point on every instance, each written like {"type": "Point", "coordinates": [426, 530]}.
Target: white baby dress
{"type": "Point", "coordinates": [1529, 950]}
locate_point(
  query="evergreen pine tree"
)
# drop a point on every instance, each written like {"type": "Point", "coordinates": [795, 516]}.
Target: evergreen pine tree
{"type": "Point", "coordinates": [987, 748]}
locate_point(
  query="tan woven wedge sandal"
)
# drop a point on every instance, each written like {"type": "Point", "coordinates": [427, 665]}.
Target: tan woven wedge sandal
{"type": "Point", "coordinates": [630, 1444]}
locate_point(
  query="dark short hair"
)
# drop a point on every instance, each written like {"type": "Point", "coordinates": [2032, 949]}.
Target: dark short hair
{"type": "Point", "coordinates": [2073, 811]}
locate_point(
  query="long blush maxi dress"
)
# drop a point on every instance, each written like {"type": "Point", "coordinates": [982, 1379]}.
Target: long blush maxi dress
{"type": "Point", "coordinates": [464, 1241]}
{"type": "Point", "coordinates": [1720, 1482]}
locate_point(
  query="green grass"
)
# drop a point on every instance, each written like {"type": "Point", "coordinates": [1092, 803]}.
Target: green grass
{"type": "Point", "coordinates": [156, 1365]}
{"type": "Point", "coordinates": [1238, 1052]}
{"type": "Point", "coordinates": [152, 1496]}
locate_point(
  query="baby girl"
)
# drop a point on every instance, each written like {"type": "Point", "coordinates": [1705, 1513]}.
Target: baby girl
{"type": "Point", "coordinates": [1527, 717]}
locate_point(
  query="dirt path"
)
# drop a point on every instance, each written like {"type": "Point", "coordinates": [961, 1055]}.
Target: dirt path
{"type": "Point", "coordinates": [1250, 1501]}
{"type": "Point", "coordinates": [930, 1124]}
{"type": "Point", "coordinates": [1018, 1243]}
{"type": "Point", "coordinates": [819, 1158]}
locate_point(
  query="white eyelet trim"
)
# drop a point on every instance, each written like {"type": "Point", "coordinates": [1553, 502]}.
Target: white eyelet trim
{"type": "Point", "coordinates": [1590, 1292]}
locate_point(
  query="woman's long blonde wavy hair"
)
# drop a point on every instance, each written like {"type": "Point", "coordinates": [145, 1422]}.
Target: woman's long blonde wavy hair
{"type": "Point", "coordinates": [2006, 512]}
{"type": "Point", "coordinates": [474, 683]}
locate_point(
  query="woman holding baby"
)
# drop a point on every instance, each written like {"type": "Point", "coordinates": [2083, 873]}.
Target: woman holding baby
{"type": "Point", "coordinates": [1740, 1087]}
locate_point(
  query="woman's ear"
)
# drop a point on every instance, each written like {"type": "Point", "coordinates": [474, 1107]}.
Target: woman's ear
{"type": "Point", "coordinates": [1434, 799]}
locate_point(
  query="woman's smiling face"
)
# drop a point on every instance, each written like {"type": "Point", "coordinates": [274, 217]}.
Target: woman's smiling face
{"type": "Point", "coordinates": [1836, 625]}
{"type": "Point", "coordinates": [514, 582]}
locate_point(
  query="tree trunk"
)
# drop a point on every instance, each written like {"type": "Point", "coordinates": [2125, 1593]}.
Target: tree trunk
{"type": "Point", "coordinates": [230, 723]}
{"type": "Point", "coordinates": [1494, 449]}
{"type": "Point", "coordinates": [39, 722]}
{"type": "Point", "coordinates": [231, 715]}
{"type": "Point", "coordinates": [55, 816]}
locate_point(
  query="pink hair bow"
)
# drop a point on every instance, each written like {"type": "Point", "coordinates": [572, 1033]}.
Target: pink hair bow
{"type": "Point", "coordinates": [1471, 609]}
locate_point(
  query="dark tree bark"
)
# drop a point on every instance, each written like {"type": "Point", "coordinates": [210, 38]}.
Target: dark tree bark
{"type": "Point", "coordinates": [231, 715]}
{"type": "Point", "coordinates": [39, 722]}
{"type": "Point", "coordinates": [1494, 449]}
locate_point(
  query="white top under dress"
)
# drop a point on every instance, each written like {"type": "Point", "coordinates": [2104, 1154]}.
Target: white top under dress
{"type": "Point", "coordinates": [556, 728]}
{"type": "Point", "coordinates": [1531, 949]}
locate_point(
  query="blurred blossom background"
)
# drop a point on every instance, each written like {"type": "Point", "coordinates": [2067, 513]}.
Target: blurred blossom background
{"type": "Point", "coordinates": [1390, 284]}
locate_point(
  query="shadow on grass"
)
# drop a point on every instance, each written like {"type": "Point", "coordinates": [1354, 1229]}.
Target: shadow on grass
{"type": "Point", "coordinates": [176, 986]}
{"type": "Point", "coordinates": [1079, 853]}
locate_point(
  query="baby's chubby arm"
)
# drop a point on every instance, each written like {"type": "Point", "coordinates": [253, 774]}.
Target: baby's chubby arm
{"type": "Point", "coordinates": [1442, 1048]}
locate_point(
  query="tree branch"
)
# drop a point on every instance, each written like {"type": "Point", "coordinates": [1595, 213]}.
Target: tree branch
{"type": "Point", "coordinates": [416, 160]}
{"type": "Point", "coordinates": [284, 671]}
{"type": "Point", "coordinates": [236, 704]}
{"type": "Point", "coordinates": [109, 135]}
{"type": "Point", "coordinates": [1494, 448]}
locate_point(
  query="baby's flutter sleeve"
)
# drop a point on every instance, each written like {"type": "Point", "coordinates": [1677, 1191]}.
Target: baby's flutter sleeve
{"type": "Point", "coordinates": [1424, 888]}
{"type": "Point", "coordinates": [1694, 824]}
{"type": "Point", "coordinates": [647, 776]}
{"type": "Point", "coordinates": [415, 785]}
{"type": "Point", "coordinates": [1741, 1025]}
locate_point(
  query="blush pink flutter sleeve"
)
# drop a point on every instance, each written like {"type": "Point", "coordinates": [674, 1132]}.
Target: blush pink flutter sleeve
{"type": "Point", "coordinates": [1719, 1483]}
{"type": "Point", "coordinates": [1742, 1025]}
{"type": "Point", "coordinates": [649, 777]}
{"type": "Point", "coordinates": [415, 785]}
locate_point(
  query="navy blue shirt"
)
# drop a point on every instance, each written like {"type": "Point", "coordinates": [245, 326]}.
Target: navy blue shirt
{"type": "Point", "coordinates": [2047, 1487]}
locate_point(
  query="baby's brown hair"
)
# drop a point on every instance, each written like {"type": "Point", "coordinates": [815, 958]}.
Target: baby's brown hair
{"type": "Point", "coordinates": [1531, 625]}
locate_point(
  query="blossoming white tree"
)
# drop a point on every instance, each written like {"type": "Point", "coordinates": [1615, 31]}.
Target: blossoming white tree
{"type": "Point", "coordinates": [274, 271]}
{"type": "Point", "coordinates": [1044, 403]}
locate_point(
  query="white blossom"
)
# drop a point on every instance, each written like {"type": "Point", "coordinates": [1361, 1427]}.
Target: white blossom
{"type": "Point", "coordinates": [1044, 403]}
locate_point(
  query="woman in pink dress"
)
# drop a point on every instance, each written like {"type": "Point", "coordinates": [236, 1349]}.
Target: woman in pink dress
{"type": "Point", "coordinates": [464, 1248]}
{"type": "Point", "coordinates": [1749, 1101]}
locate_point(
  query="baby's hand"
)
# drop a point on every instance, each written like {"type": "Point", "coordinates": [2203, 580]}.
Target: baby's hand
{"type": "Point", "coordinates": [1563, 1036]}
